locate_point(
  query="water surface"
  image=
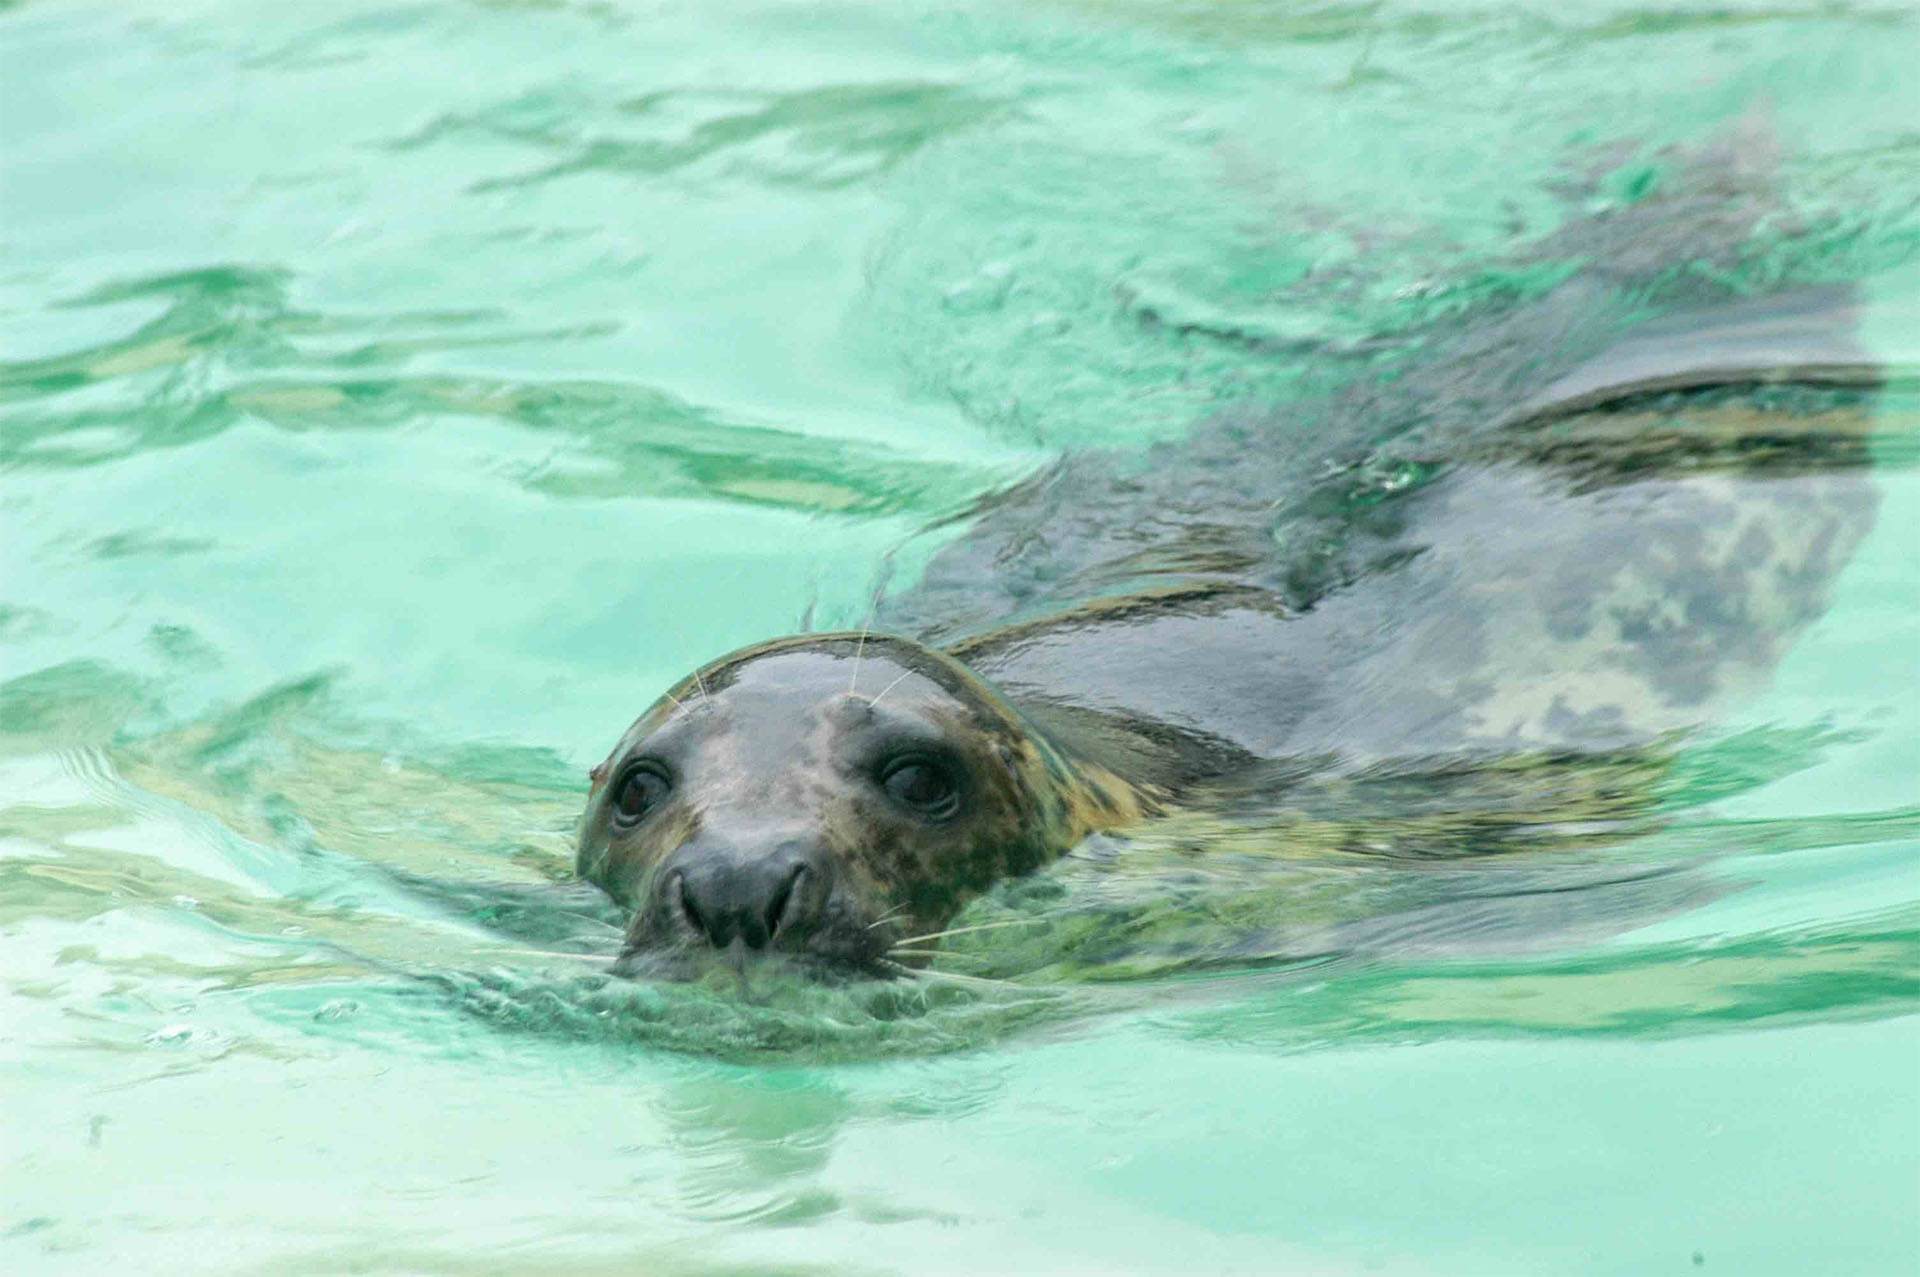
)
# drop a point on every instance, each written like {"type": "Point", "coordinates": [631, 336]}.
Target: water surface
{"type": "Point", "coordinates": [395, 398]}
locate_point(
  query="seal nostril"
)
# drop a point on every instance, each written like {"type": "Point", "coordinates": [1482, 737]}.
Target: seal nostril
{"type": "Point", "coordinates": [688, 909]}
{"type": "Point", "coordinates": [783, 900]}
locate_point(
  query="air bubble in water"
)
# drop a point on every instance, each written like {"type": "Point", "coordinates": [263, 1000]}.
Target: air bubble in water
{"type": "Point", "coordinates": [337, 1009]}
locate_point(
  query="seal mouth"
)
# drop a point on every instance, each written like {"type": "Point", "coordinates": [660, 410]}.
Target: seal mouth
{"type": "Point", "coordinates": [688, 960]}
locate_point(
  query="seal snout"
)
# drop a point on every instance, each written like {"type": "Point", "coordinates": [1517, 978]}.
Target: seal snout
{"type": "Point", "coordinates": [752, 899]}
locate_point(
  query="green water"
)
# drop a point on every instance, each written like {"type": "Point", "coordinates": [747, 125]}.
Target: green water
{"type": "Point", "coordinates": [394, 398]}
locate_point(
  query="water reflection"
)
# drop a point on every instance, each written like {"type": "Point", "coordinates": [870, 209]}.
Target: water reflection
{"type": "Point", "coordinates": [751, 1146]}
{"type": "Point", "coordinates": [231, 348]}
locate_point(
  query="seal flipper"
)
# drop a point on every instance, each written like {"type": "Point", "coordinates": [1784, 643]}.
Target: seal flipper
{"type": "Point", "coordinates": [1765, 385]}
{"type": "Point", "coordinates": [1808, 336]}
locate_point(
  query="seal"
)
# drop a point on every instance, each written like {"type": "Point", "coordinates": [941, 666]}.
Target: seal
{"type": "Point", "coordinates": [829, 797]}
{"type": "Point", "coordinates": [1554, 585]}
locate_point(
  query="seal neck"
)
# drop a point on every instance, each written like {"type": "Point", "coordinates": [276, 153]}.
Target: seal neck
{"type": "Point", "coordinates": [1157, 761]}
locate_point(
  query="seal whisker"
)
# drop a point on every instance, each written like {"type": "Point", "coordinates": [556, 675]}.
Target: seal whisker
{"type": "Point", "coordinates": [888, 916]}
{"type": "Point", "coordinates": [859, 650]}
{"type": "Point", "coordinates": [961, 931]}
{"type": "Point", "coordinates": [915, 973]}
{"type": "Point", "coordinates": [681, 634]}
{"type": "Point", "coordinates": [889, 687]}
{"type": "Point", "coordinates": [937, 953]}
{"type": "Point", "coordinates": [555, 953]}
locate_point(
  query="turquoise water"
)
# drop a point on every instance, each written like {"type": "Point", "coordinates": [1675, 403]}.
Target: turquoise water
{"type": "Point", "coordinates": [394, 399]}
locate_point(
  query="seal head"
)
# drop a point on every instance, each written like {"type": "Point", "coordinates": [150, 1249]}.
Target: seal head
{"type": "Point", "coordinates": [826, 798]}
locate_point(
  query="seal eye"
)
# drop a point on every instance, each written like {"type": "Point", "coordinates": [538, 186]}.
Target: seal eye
{"type": "Point", "coordinates": [641, 790]}
{"type": "Point", "coordinates": [921, 785]}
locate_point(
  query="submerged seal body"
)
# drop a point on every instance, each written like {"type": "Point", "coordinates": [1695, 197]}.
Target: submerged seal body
{"type": "Point", "coordinates": [1554, 585]}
